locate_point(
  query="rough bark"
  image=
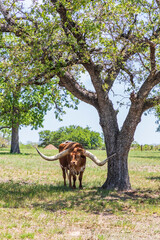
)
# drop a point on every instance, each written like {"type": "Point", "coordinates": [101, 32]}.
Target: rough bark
{"type": "Point", "coordinates": [15, 139]}
{"type": "Point", "coordinates": [117, 174]}
{"type": "Point", "coordinates": [119, 142]}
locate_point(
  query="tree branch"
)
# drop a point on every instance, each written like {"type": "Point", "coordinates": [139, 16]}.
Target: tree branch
{"type": "Point", "coordinates": [68, 23]}
{"type": "Point", "coordinates": [142, 62]}
{"type": "Point", "coordinates": [70, 27]}
{"type": "Point", "coordinates": [4, 127]}
{"type": "Point", "coordinates": [68, 81]}
{"type": "Point", "coordinates": [152, 57]}
{"type": "Point", "coordinates": [130, 75]}
{"type": "Point", "coordinates": [52, 72]}
{"type": "Point", "coordinates": [5, 28]}
{"type": "Point", "coordinates": [147, 86]}
{"type": "Point", "coordinates": [151, 102]}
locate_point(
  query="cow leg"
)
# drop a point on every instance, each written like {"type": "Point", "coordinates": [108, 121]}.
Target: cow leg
{"type": "Point", "coordinates": [64, 175]}
{"type": "Point", "coordinates": [80, 180]}
{"type": "Point", "coordinates": [70, 181]}
{"type": "Point", "coordinates": [74, 181]}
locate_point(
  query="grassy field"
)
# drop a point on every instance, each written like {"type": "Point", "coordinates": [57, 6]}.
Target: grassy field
{"type": "Point", "coordinates": [35, 205]}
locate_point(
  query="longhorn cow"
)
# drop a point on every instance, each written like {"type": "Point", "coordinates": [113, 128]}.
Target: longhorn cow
{"type": "Point", "coordinates": [72, 157]}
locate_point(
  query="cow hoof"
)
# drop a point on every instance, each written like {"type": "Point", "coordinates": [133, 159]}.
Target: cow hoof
{"type": "Point", "coordinates": [80, 187]}
{"type": "Point", "coordinates": [72, 187]}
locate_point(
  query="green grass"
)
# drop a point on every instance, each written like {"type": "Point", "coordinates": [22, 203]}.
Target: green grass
{"type": "Point", "coordinates": [34, 204]}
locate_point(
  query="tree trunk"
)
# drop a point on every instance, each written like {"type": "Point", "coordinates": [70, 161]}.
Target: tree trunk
{"type": "Point", "coordinates": [15, 139]}
{"type": "Point", "coordinates": [119, 142]}
{"type": "Point", "coordinates": [118, 176]}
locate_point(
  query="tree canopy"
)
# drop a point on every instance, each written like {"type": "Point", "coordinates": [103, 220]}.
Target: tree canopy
{"type": "Point", "coordinates": [62, 38]}
{"type": "Point", "coordinates": [89, 139]}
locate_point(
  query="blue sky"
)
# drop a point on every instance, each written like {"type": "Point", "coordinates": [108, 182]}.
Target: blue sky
{"type": "Point", "coordinates": [87, 115]}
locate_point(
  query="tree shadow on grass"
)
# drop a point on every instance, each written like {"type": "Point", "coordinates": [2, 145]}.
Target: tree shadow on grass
{"type": "Point", "coordinates": [18, 154]}
{"type": "Point", "coordinates": [155, 178]}
{"type": "Point", "coordinates": [59, 198]}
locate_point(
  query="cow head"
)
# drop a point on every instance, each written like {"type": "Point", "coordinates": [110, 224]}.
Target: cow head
{"type": "Point", "coordinates": [76, 155]}
{"type": "Point", "coordinates": [77, 158]}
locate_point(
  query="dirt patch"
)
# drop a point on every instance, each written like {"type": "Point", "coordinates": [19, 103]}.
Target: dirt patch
{"type": "Point", "coordinates": [51, 147]}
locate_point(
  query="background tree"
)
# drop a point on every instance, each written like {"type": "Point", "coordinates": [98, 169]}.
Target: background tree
{"type": "Point", "coordinates": [23, 103]}
{"type": "Point", "coordinates": [89, 139]}
{"type": "Point", "coordinates": [113, 41]}
{"type": "Point", "coordinates": [23, 106]}
{"type": "Point", "coordinates": [5, 136]}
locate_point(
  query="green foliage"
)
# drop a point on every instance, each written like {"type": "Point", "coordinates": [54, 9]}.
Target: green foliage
{"type": "Point", "coordinates": [89, 139]}
{"type": "Point", "coordinates": [5, 135]}
{"type": "Point", "coordinates": [24, 105]}
{"type": "Point", "coordinates": [158, 117]}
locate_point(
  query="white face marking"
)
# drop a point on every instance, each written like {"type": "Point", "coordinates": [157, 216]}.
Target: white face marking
{"type": "Point", "coordinates": [74, 171]}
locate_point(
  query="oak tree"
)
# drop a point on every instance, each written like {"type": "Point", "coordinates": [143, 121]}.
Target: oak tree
{"type": "Point", "coordinates": [23, 106]}
{"type": "Point", "coordinates": [111, 41]}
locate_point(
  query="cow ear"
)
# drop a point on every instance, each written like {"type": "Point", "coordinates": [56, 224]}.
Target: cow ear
{"type": "Point", "coordinates": [82, 156]}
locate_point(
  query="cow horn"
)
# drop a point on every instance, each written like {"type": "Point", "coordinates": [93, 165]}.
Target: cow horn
{"type": "Point", "coordinates": [55, 157]}
{"type": "Point", "coordinates": [95, 159]}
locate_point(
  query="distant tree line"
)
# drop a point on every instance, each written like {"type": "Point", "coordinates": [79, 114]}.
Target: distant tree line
{"type": "Point", "coordinates": [89, 139]}
{"type": "Point", "coordinates": [145, 147]}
